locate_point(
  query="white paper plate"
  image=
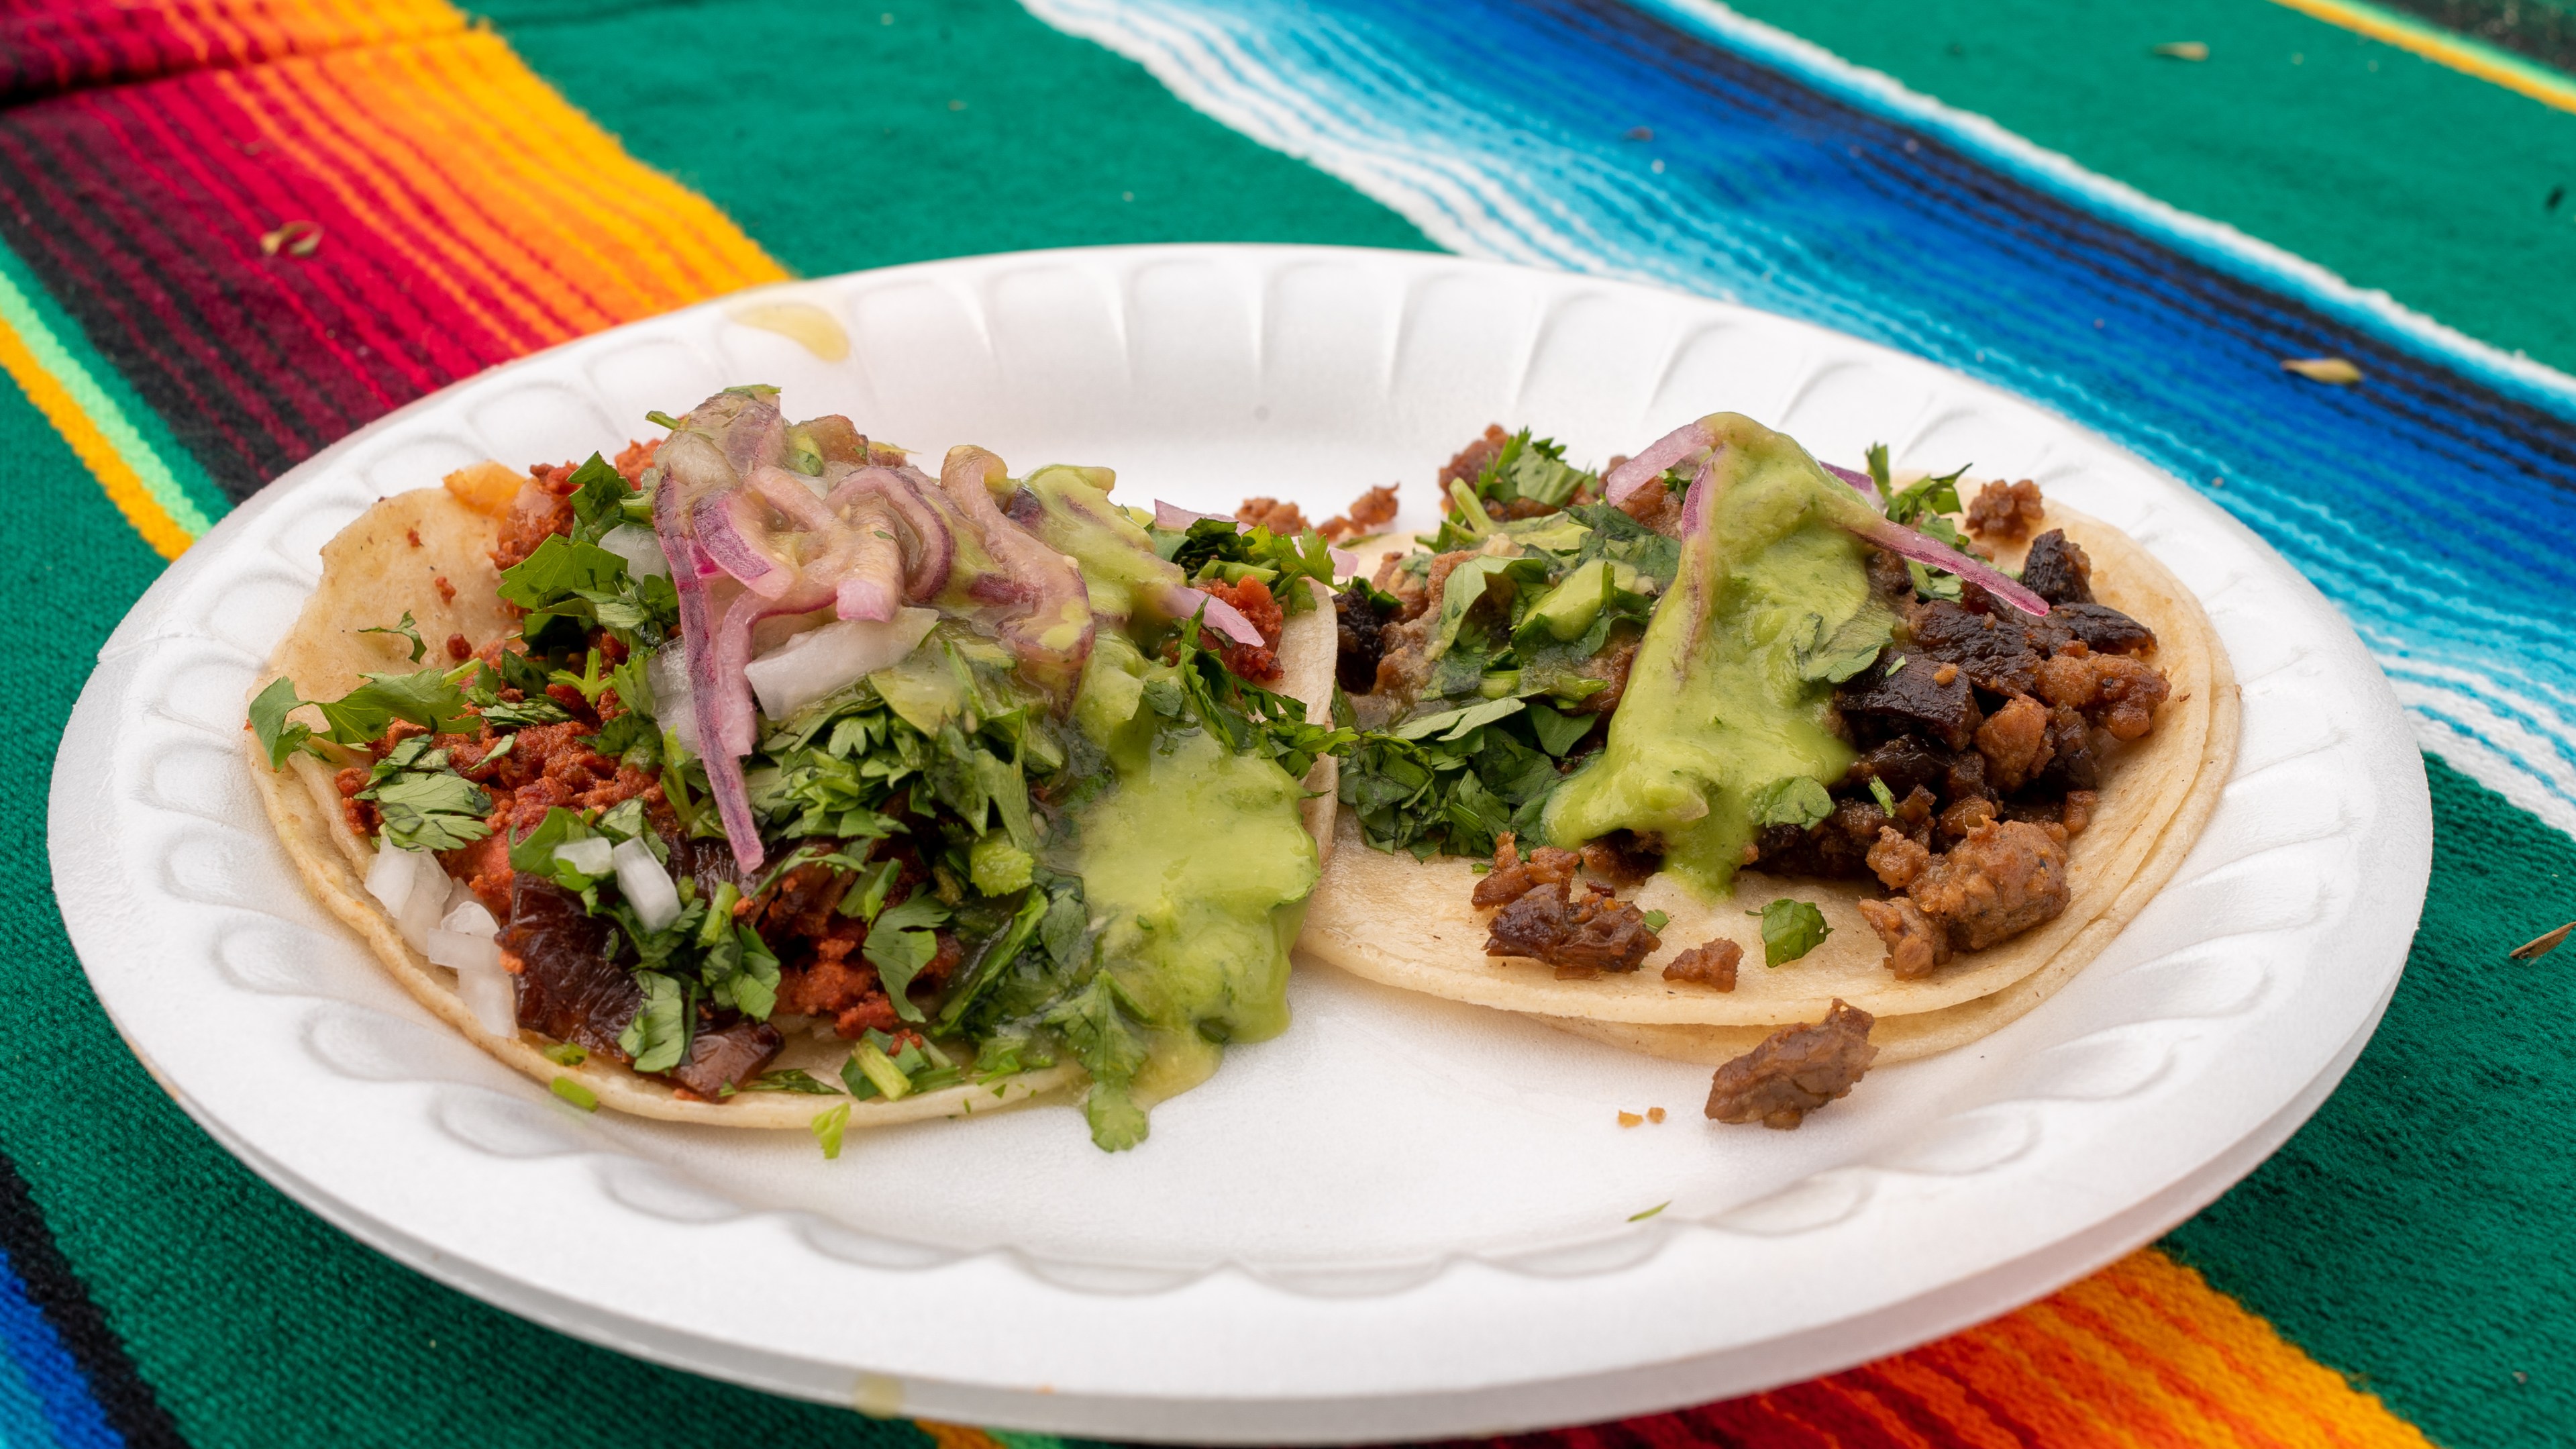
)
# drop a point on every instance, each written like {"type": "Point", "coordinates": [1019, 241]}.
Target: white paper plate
{"type": "Point", "coordinates": [1404, 1217]}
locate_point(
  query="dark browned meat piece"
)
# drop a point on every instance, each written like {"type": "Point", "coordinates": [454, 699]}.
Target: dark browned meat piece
{"type": "Point", "coordinates": [1711, 964]}
{"type": "Point", "coordinates": [568, 989]}
{"type": "Point", "coordinates": [1360, 623]}
{"type": "Point", "coordinates": [1915, 946]}
{"type": "Point", "coordinates": [2006, 510]}
{"type": "Point", "coordinates": [727, 1056]}
{"type": "Point", "coordinates": [2057, 570]}
{"type": "Point", "coordinates": [1795, 1070]}
{"type": "Point", "coordinates": [1884, 705]}
{"type": "Point", "coordinates": [2014, 742]}
{"type": "Point", "coordinates": [1580, 938]}
{"type": "Point", "coordinates": [1902, 764]}
{"type": "Point", "coordinates": [1890, 581]}
{"type": "Point", "coordinates": [2072, 763]}
{"type": "Point", "coordinates": [1607, 934]}
{"type": "Point", "coordinates": [2004, 878]}
{"type": "Point", "coordinates": [1473, 458]}
{"type": "Point", "coordinates": [1270, 513]}
{"type": "Point", "coordinates": [1530, 925]}
{"type": "Point", "coordinates": [1998, 653]}
{"type": "Point", "coordinates": [1834, 848]}
{"type": "Point", "coordinates": [2103, 629]}
{"type": "Point", "coordinates": [1966, 816]}
{"type": "Point", "coordinates": [1623, 858]}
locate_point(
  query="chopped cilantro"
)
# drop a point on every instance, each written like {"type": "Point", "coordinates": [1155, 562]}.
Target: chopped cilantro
{"type": "Point", "coordinates": [1657, 920]}
{"type": "Point", "coordinates": [792, 1079]}
{"type": "Point", "coordinates": [425, 804]}
{"type": "Point", "coordinates": [360, 717]}
{"type": "Point", "coordinates": [900, 943]}
{"type": "Point", "coordinates": [1790, 929]}
{"type": "Point", "coordinates": [827, 1127]}
{"type": "Point", "coordinates": [1650, 1212]}
{"type": "Point", "coordinates": [1879, 792]}
{"type": "Point", "coordinates": [575, 1093]}
{"type": "Point", "coordinates": [1920, 502]}
{"type": "Point", "coordinates": [657, 1038]}
{"type": "Point", "coordinates": [566, 1054]}
{"type": "Point", "coordinates": [1796, 800]}
{"type": "Point", "coordinates": [406, 629]}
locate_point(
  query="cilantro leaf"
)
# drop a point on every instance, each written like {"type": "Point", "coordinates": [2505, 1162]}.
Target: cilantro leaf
{"type": "Point", "coordinates": [658, 1036]}
{"type": "Point", "coordinates": [407, 630]}
{"type": "Point", "coordinates": [1790, 929]}
{"type": "Point", "coordinates": [827, 1127]}
{"type": "Point", "coordinates": [279, 736]}
{"type": "Point", "coordinates": [1930, 496]}
{"type": "Point", "coordinates": [560, 568]}
{"type": "Point", "coordinates": [430, 809]}
{"type": "Point", "coordinates": [1796, 800]}
{"type": "Point", "coordinates": [900, 943]}
{"type": "Point", "coordinates": [792, 1079]}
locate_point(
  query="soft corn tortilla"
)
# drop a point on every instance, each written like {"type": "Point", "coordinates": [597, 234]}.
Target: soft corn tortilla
{"type": "Point", "coordinates": [1411, 923]}
{"type": "Point", "coordinates": [391, 560]}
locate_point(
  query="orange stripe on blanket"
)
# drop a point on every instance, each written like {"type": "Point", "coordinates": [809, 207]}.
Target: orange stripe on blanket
{"type": "Point", "coordinates": [2142, 1355]}
{"type": "Point", "coordinates": [2146, 1353]}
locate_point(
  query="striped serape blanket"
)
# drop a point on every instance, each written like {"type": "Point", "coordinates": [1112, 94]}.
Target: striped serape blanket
{"type": "Point", "coordinates": [232, 231]}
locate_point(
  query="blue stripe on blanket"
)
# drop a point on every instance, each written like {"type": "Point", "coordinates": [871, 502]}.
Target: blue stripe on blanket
{"type": "Point", "coordinates": [2431, 502]}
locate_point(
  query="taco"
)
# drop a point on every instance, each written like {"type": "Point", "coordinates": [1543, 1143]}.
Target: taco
{"type": "Point", "coordinates": [1701, 750]}
{"type": "Point", "coordinates": [759, 779]}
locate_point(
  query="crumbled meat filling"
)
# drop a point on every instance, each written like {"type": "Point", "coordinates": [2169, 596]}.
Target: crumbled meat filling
{"type": "Point", "coordinates": [459, 648]}
{"type": "Point", "coordinates": [1711, 964]}
{"type": "Point", "coordinates": [1897, 858]}
{"type": "Point", "coordinates": [1270, 513]}
{"type": "Point", "coordinates": [2006, 510]}
{"type": "Point", "coordinates": [2014, 742]}
{"type": "Point", "coordinates": [1915, 946]}
{"type": "Point", "coordinates": [1370, 513]}
{"type": "Point", "coordinates": [2077, 810]}
{"type": "Point", "coordinates": [1795, 1070]}
{"type": "Point", "coordinates": [1258, 663]}
{"type": "Point", "coordinates": [2116, 692]}
{"type": "Point", "coordinates": [1511, 878]}
{"type": "Point", "coordinates": [2003, 878]}
{"type": "Point", "coordinates": [1580, 937]}
{"type": "Point", "coordinates": [1623, 857]}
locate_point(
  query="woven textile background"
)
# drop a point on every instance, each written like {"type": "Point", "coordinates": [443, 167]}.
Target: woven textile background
{"type": "Point", "coordinates": [2023, 189]}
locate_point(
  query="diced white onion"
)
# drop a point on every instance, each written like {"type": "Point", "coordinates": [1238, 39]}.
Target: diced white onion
{"type": "Point", "coordinates": [458, 893]}
{"type": "Point", "coordinates": [646, 884]}
{"type": "Point", "coordinates": [590, 857]}
{"type": "Point", "coordinates": [390, 877]}
{"type": "Point", "coordinates": [668, 673]}
{"type": "Point", "coordinates": [641, 550]}
{"type": "Point", "coordinates": [469, 919]}
{"type": "Point", "coordinates": [818, 661]}
{"type": "Point", "coordinates": [421, 912]}
{"type": "Point", "coordinates": [483, 983]}
{"type": "Point", "coordinates": [462, 951]}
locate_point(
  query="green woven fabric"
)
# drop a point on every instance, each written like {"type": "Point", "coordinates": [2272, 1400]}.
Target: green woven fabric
{"type": "Point", "coordinates": [2389, 170]}
{"type": "Point", "coordinates": [2414, 1232]}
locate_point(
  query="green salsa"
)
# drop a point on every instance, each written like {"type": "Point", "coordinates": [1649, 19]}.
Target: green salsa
{"type": "Point", "coordinates": [1732, 686]}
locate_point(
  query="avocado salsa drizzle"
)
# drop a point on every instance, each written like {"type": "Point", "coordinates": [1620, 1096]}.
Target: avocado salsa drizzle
{"type": "Point", "coordinates": [1006, 873]}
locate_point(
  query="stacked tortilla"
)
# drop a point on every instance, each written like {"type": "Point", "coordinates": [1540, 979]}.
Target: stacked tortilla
{"type": "Point", "coordinates": [1409, 923]}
